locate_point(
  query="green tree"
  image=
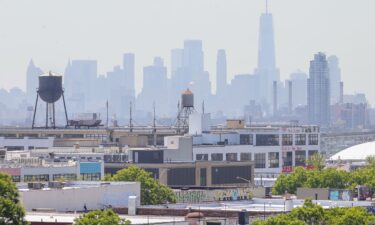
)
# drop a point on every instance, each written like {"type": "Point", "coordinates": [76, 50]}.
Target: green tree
{"type": "Point", "coordinates": [97, 217]}
{"type": "Point", "coordinates": [349, 216]}
{"type": "Point", "coordinates": [152, 191]}
{"type": "Point", "coordinates": [312, 214]}
{"type": "Point", "coordinates": [11, 211]}
{"type": "Point", "coordinates": [370, 161]}
{"type": "Point", "coordinates": [280, 220]}
{"type": "Point", "coordinates": [309, 213]}
{"type": "Point", "coordinates": [317, 161]}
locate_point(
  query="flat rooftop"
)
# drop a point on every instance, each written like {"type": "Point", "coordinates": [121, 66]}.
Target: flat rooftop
{"type": "Point", "coordinates": [22, 187]}
{"type": "Point", "coordinates": [69, 218]}
{"type": "Point", "coordinates": [260, 205]}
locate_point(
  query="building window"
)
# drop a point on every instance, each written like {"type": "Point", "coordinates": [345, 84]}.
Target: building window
{"type": "Point", "coordinates": [201, 157]}
{"type": "Point", "coordinates": [313, 139]}
{"type": "Point", "coordinates": [66, 176]}
{"type": "Point", "coordinates": [273, 159]}
{"type": "Point", "coordinates": [40, 177]}
{"type": "Point", "coordinates": [300, 139]}
{"type": "Point", "coordinates": [267, 139]}
{"type": "Point", "coordinates": [287, 158]}
{"type": "Point", "coordinates": [90, 176]}
{"type": "Point", "coordinates": [231, 156]}
{"type": "Point", "coordinates": [217, 157]}
{"type": "Point", "coordinates": [245, 156]}
{"type": "Point", "coordinates": [312, 152]}
{"type": "Point", "coordinates": [287, 139]}
{"type": "Point", "coordinates": [246, 139]}
{"type": "Point", "coordinates": [300, 158]}
{"type": "Point", "coordinates": [260, 160]}
{"type": "Point", "coordinates": [16, 178]}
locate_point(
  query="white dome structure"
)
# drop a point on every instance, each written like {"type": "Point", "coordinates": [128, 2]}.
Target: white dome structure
{"type": "Point", "coordinates": [355, 153]}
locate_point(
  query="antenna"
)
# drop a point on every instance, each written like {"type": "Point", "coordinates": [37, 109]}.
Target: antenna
{"type": "Point", "coordinates": [203, 107]}
{"type": "Point", "coordinates": [106, 105]}
{"type": "Point", "coordinates": [130, 118]}
{"type": "Point", "coordinates": [154, 126]}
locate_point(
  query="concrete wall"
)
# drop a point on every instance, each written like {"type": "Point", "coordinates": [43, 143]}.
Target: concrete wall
{"type": "Point", "coordinates": [303, 193]}
{"type": "Point", "coordinates": [27, 142]}
{"type": "Point", "coordinates": [183, 152]}
{"type": "Point", "coordinates": [74, 198]}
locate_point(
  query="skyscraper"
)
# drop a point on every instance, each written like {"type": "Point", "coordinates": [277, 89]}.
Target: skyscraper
{"type": "Point", "coordinates": [32, 82]}
{"type": "Point", "coordinates": [299, 86]}
{"type": "Point", "coordinates": [318, 95]}
{"type": "Point", "coordinates": [128, 66]}
{"type": "Point", "coordinates": [154, 87]}
{"type": "Point", "coordinates": [221, 72]}
{"type": "Point", "coordinates": [334, 78]}
{"type": "Point", "coordinates": [266, 70]}
{"type": "Point", "coordinates": [79, 82]}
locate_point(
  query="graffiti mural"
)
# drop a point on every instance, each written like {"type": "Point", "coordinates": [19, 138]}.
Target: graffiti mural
{"type": "Point", "coordinates": [193, 196]}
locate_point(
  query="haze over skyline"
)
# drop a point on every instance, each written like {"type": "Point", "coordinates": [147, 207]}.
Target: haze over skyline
{"type": "Point", "coordinates": [52, 32]}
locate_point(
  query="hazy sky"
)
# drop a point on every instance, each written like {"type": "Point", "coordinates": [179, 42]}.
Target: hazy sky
{"type": "Point", "coordinates": [52, 31]}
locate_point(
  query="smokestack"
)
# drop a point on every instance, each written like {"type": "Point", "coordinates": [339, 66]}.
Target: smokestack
{"type": "Point", "coordinates": [290, 95]}
{"type": "Point", "coordinates": [274, 98]}
{"type": "Point", "coordinates": [341, 92]}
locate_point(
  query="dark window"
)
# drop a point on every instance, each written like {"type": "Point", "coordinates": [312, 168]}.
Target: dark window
{"type": "Point", "coordinates": [201, 157]}
{"type": "Point", "coordinates": [66, 176]}
{"type": "Point", "coordinates": [312, 152]}
{"type": "Point", "coordinates": [287, 158]}
{"type": "Point", "coordinates": [287, 139]}
{"type": "Point", "coordinates": [313, 139]}
{"type": "Point", "coordinates": [300, 158]}
{"type": "Point", "coordinates": [246, 139]}
{"type": "Point", "coordinates": [300, 139]}
{"type": "Point", "coordinates": [203, 176]}
{"type": "Point", "coordinates": [273, 159]}
{"type": "Point", "coordinates": [154, 172]}
{"type": "Point", "coordinates": [16, 178]}
{"type": "Point", "coordinates": [230, 174]}
{"type": "Point", "coordinates": [267, 139]}
{"type": "Point", "coordinates": [260, 160]}
{"type": "Point", "coordinates": [245, 156]}
{"type": "Point", "coordinates": [90, 176]}
{"type": "Point", "coordinates": [217, 157]}
{"type": "Point", "coordinates": [231, 156]}
{"type": "Point", "coordinates": [181, 176]}
{"type": "Point", "coordinates": [40, 177]}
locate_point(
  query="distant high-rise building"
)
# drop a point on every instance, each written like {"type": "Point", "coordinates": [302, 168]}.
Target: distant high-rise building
{"type": "Point", "coordinates": [334, 78]}
{"type": "Point", "coordinates": [129, 72]}
{"type": "Point", "coordinates": [266, 70]}
{"type": "Point", "coordinates": [318, 98]}
{"type": "Point", "coordinates": [193, 58]}
{"type": "Point", "coordinates": [221, 72]}
{"type": "Point", "coordinates": [79, 83]}
{"type": "Point", "coordinates": [154, 87]}
{"type": "Point", "coordinates": [177, 58]}
{"type": "Point", "coordinates": [32, 82]}
{"type": "Point", "coordinates": [299, 88]}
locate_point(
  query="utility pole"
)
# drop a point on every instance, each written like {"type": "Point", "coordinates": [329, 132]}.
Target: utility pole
{"type": "Point", "coordinates": [130, 118]}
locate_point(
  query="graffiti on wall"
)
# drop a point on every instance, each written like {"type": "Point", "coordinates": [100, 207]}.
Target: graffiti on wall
{"type": "Point", "coordinates": [192, 196]}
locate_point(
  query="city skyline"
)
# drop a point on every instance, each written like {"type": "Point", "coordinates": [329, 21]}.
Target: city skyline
{"type": "Point", "coordinates": [241, 56]}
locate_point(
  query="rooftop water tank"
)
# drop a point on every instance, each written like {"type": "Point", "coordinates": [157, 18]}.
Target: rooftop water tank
{"type": "Point", "coordinates": [50, 87]}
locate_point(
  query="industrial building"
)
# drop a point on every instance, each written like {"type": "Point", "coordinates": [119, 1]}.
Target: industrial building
{"type": "Point", "coordinates": [274, 149]}
{"type": "Point", "coordinates": [78, 196]}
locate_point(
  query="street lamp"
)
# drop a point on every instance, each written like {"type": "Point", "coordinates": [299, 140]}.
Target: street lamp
{"type": "Point", "coordinates": [241, 178]}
